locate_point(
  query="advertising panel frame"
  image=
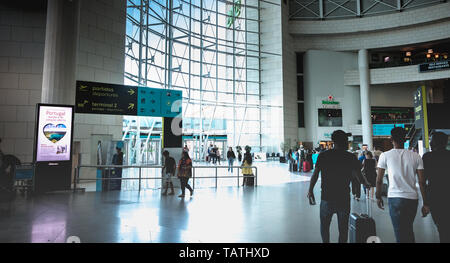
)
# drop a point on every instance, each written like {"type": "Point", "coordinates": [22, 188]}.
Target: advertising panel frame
{"type": "Point", "coordinates": [36, 132]}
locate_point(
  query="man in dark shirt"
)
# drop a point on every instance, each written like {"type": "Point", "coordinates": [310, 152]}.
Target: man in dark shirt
{"type": "Point", "coordinates": [438, 180]}
{"type": "Point", "coordinates": [337, 168]}
{"type": "Point", "coordinates": [168, 170]}
{"type": "Point", "coordinates": [117, 160]}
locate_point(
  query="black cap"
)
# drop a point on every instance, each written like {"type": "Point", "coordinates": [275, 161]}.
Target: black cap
{"type": "Point", "coordinates": [339, 135]}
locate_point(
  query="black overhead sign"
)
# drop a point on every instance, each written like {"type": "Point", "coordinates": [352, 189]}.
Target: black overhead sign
{"type": "Point", "coordinates": [103, 98]}
{"type": "Point", "coordinates": [438, 65]}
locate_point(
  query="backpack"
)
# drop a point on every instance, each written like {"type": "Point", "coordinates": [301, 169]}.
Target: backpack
{"type": "Point", "coordinates": [302, 154]}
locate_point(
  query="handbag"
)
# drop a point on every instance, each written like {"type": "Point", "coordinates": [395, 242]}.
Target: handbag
{"type": "Point", "coordinates": [363, 172]}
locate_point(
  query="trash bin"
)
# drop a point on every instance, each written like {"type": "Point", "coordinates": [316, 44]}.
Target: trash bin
{"type": "Point", "coordinates": [112, 185]}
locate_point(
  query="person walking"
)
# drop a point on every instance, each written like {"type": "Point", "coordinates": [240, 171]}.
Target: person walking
{"type": "Point", "coordinates": [295, 156]}
{"type": "Point", "coordinates": [301, 157]}
{"type": "Point", "coordinates": [369, 171]}
{"type": "Point", "coordinates": [186, 148]}
{"type": "Point", "coordinates": [210, 153]}
{"type": "Point", "coordinates": [356, 186]}
{"type": "Point", "coordinates": [438, 181]}
{"type": "Point", "coordinates": [214, 154]}
{"type": "Point", "coordinates": [290, 160]}
{"type": "Point", "coordinates": [168, 170]}
{"type": "Point", "coordinates": [246, 170]}
{"type": "Point", "coordinates": [337, 167]}
{"type": "Point", "coordinates": [184, 173]}
{"type": "Point", "coordinates": [376, 153]}
{"type": "Point", "coordinates": [218, 155]}
{"type": "Point", "coordinates": [239, 151]}
{"type": "Point", "coordinates": [403, 198]}
{"type": "Point", "coordinates": [230, 157]}
{"type": "Point", "coordinates": [117, 160]}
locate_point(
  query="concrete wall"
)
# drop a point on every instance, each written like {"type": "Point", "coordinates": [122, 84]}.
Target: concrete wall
{"type": "Point", "coordinates": [272, 120]}
{"type": "Point", "coordinates": [396, 75]}
{"type": "Point", "coordinates": [324, 76]}
{"type": "Point", "coordinates": [393, 95]}
{"type": "Point", "coordinates": [408, 27]}
{"type": "Point", "coordinates": [290, 108]}
{"type": "Point", "coordinates": [100, 58]}
{"type": "Point", "coordinates": [22, 37]}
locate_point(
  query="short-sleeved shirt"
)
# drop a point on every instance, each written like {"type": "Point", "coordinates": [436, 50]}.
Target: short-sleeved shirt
{"type": "Point", "coordinates": [435, 164]}
{"type": "Point", "coordinates": [337, 168]}
{"type": "Point", "coordinates": [169, 165]}
{"type": "Point", "coordinates": [401, 166]}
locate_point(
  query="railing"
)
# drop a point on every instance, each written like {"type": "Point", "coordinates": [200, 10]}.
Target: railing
{"type": "Point", "coordinates": [77, 178]}
{"type": "Point", "coordinates": [416, 61]}
{"type": "Point", "coordinates": [394, 121]}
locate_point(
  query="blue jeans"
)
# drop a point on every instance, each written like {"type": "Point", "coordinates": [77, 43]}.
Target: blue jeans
{"type": "Point", "coordinates": [403, 211]}
{"type": "Point", "coordinates": [230, 164]}
{"type": "Point", "coordinates": [327, 209]}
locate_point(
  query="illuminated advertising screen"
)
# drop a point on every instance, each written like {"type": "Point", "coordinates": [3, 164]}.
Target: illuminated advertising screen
{"type": "Point", "coordinates": [54, 133]}
{"type": "Point", "coordinates": [385, 129]}
{"type": "Point", "coordinates": [330, 117]}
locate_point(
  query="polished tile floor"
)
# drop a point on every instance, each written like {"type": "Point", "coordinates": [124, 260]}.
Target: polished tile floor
{"type": "Point", "coordinates": [275, 211]}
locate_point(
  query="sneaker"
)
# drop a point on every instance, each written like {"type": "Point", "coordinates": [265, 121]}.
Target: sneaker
{"type": "Point", "coordinates": [181, 195]}
{"type": "Point", "coordinates": [172, 193]}
{"type": "Point", "coordinates": [163, 193]}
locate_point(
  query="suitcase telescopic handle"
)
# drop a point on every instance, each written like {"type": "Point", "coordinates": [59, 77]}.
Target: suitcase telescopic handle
{"type": "Point", "coordinates": [369, 207]}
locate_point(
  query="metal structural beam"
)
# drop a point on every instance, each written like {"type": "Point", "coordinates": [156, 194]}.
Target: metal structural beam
{"type": "Point", "coordinates": [336, 9]}
{"type": "Point", "coordinates": [216, 64]}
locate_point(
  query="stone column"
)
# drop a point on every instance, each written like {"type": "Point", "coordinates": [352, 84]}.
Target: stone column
{"type": "Point", "coordinates": [58, 83]}
{"type": "Point", "coordinates": [364, 80]}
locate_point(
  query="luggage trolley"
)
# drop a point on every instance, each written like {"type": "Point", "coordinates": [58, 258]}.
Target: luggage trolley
{"type": "Point", "coordinates": [23, 178]}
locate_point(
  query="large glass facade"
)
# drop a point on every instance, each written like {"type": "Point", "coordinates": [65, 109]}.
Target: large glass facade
{"type": "Point", "coordinates": [209, 49]}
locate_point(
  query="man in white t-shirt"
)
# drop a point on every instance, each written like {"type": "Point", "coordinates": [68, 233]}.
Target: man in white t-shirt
{"type": "Point", "coordinates": [403, 198]}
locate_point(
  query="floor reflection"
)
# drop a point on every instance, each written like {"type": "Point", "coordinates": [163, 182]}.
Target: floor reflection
{"type": "Point", "coordinates": [278, 212]}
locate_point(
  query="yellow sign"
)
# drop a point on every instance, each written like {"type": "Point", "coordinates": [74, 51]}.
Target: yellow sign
{"type": "Point", "coordinates": [425, 117]}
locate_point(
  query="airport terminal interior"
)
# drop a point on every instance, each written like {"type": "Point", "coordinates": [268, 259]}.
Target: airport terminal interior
{"type": "Point", "coordinates": [94, 93]}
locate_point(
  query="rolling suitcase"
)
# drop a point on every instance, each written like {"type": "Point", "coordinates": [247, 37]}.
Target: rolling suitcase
{"type": "Point", "coordinates": [306, 167]}
{"type": "Point", "coordinates": [362, 226]}
{"type": "Point", "coordinates": [249, 180]}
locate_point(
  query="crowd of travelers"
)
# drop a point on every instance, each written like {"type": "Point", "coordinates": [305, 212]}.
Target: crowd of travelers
{"type": "Point", "coordinates": [301, 159]}
{"type": "Point", "coordinates": [183, 171]}
{"type": "Point", "coordinates": [340, 168]}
